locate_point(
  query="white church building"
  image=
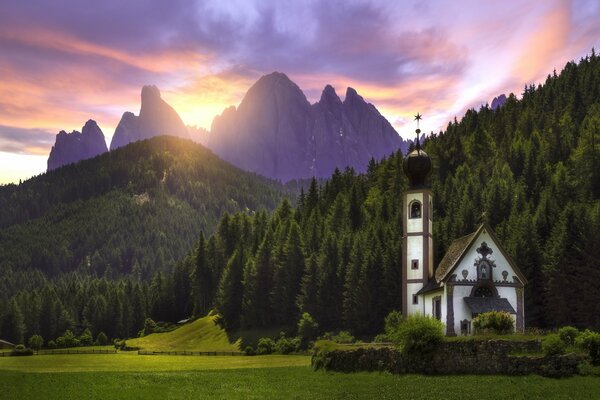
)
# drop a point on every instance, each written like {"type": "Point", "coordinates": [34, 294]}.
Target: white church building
{"type": "Point", "coordinates": [476, 275]}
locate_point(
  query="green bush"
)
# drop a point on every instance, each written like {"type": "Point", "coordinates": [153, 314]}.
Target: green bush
{"type": "Point", "coordinates": [568, 334]}
{"type": "Point", "coordinates": [498, 322]}
{"type": "Point", "coordinates": [391, 323]}
{"type": "Point", "coordinates": [381, 338]}
{"type": "Point", "coordinates": [249, 351]}
{"type": "Point", "coordinates": [418, 334]}
{"type": "Point", "coordinates": [101, 339]}
{"type": "Point", "coordinates": [287, 345]}
{"type": "Point", "coordinates": [343, 337]}
{"type": "Point", "coordinates": [51, 344]}
{"type": "Point", "coordinates": [119, 344]}
{"type": "Point", "coordinates": [590, 342]}
{"type": "Point", "coordinates": [85, 339]}
{"type": "Point", "coordinates": [67, 340]}
{"type": "Point", "coordinates": [149, 327]}
{"type": "Point", "coordinates": [587, 369]}
{"type": "Point", "coordinates": [265, 346]}
{"type": "Point", "coordinates": [553, 345]}
{"type": "Point", "coordinates": [21, 350]}
{"type": "Point", "coordinates": [308, 328]}
{"type": "Point", "coordinates": [36, 342]}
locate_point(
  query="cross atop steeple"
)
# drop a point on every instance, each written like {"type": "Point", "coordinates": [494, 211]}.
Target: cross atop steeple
{"type": "Point", "coordinates": [418, 117]}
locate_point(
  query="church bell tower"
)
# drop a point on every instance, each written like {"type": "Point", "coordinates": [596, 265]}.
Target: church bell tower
{"type": "Point", "coordinates": [417, 241]}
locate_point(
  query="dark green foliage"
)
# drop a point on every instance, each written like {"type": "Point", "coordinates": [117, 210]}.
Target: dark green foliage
{"type": "Point", "coordinates": [553, 345]}
{"type": "Point", "coordinates": [101, 339]}
{"type": "Point", "coordinates": [392, 322]}
{"type": "Point", "coordinates": [568, 334]}
{"type": "Point", "coordinates": [287, 345]}
{"type": "Point", "coordinates": [498, 322]}
{"type": "Point", "coordinates": [12, 326]}
{"type": "Point", "coordinates": [149, 327]}
{"type": "Point", "coordinates": [86, 339]}
{"type": "Point", "coordinates": [308, 328]}
{"type": "Point", "coordinates": [21, 350]}
{"type": "Point", "coordinates": [68, 339]}
{"type": "Point", "coordinates": [590, 342]}
{"type": "Point", "coordinates": [418, 334]}
{"type": "Point", "coordinates": [265, 346]}
{"type": "Point", "coordinates": [249, 351]}
{"type": "Point", "coordinates": [343, 337]}
{"type": "Point", "coordinates": [36, 342]}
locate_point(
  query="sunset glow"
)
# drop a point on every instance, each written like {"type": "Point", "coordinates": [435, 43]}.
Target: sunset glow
{"type": "Point", "coordinates": [61, 65]}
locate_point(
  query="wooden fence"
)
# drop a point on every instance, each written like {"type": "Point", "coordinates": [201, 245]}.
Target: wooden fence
{"type": "Point", "coordinates": [189, 353]}
{"type": "Point", "coordinates": [68, 351]}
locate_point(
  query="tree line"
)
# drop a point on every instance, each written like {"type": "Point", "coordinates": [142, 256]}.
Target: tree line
{"type": "Point", "coordinates": [531, 168]}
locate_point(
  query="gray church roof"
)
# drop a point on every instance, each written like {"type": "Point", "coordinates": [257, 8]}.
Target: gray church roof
{"type": "Point", "coordinates": [480, 305]}
{"type": "Point", "coordinates": [453, 255]}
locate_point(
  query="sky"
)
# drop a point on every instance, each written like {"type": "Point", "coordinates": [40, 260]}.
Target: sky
{"type": "Point", "coordinates": [63, 62]}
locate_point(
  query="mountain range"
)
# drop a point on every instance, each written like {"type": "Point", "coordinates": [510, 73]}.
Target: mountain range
{"type": "Point", "coordinates": [274, 131]}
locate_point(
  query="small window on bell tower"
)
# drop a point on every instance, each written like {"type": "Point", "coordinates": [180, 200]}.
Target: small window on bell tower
{"type": "Point", "coordinates": [415, 210]}
{"type": "Point", "coordinates": [415, 264]}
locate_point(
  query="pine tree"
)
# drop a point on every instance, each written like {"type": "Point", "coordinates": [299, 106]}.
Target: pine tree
{"type": "Point", "coordinates": [231, 290]}
{"type": "Point", "coordinates": [202, 281]}
{"type": "Point", "coordinates": [13, 327]}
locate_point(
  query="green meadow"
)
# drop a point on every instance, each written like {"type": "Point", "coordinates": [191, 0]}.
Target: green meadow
{"type": "Point", "coordinates": [129, 376]}
{"type": "Point", "coordinates": [201, 335]}
{"type": "Point", "coordinates": [205, 377]}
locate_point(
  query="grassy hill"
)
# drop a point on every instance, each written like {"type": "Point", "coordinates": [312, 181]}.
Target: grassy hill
{"type": "Point", "coordinates": [140, 206]}
{"type": "Point", "coordinates": [201, 335]}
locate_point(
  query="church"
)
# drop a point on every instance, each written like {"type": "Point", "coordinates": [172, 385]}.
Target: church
{"type": "Point", "coordinates": [475, 275]}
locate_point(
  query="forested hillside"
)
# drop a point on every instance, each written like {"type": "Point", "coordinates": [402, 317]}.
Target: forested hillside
{"type": "Point", "coordinates": [531, 168]}
{"type": "Point", "coordinates": [135, 209]}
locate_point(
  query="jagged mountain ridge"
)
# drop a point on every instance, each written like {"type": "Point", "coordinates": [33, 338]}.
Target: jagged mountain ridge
{"type": "Point", "coordinates": [276, 132]}
{"type": "Point", "coordinates": [75, 146]}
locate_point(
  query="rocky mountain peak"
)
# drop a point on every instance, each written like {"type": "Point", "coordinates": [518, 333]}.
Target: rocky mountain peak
{"type": "Point", "coordinates": [75, 146]}
{"type": "Point", "coordinates": [329, 95]}
{"type": "Point", "coordinates": [352, 95]}
{"type": "Point", "coordinates": [150, 92]}
{"type": "Point", "coordinates": [498, 102]}
{"type": "Point", "coordinates": [156, 118]}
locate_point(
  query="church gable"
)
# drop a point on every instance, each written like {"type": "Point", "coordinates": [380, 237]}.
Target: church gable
{"type": "Point", "coordinates": [479, 253]}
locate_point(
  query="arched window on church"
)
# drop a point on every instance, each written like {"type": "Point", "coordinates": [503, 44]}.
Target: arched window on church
{"type": "Point", "coordinates": [415, 210]}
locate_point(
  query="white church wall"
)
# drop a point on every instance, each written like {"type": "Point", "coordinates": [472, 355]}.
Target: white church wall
{"type": "Point", "coordinates": [413, 288]}
{"type": "Point", "coordinates": [461, 310]}
{"type": "Point", "coordinates": [428, 303]}
{"type": "Point", "coordinates": [414, 252]}
{"type": "Point", "coordinates": [413, 224]}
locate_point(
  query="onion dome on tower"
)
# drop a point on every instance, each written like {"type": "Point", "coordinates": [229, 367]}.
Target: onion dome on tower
{"type": "Point", "coordinates": [417, 164]}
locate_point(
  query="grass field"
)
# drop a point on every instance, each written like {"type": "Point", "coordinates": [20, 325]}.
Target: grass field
{"type": "Point", "coordinates": [285, 383]}
{"type": "Point", "coordinates": [131, 362]}
{"type": "Point", "coordinates": [200, 335]}
{"type": "Point", "coordinates": [129, 376]}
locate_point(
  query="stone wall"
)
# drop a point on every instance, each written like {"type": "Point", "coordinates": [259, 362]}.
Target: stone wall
{"type": "Point", "coordinates": [460, 357]}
